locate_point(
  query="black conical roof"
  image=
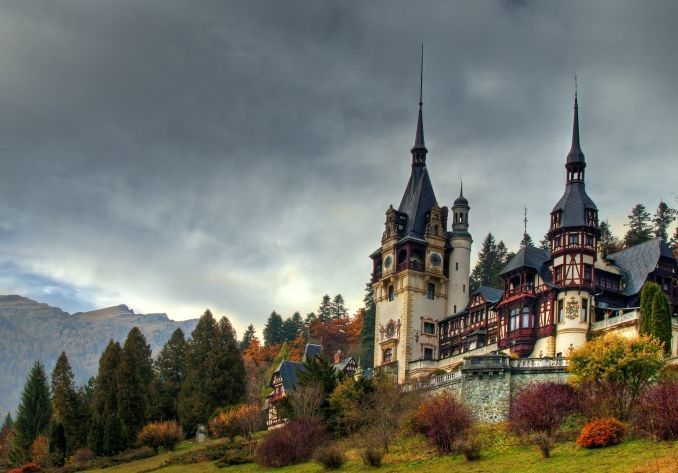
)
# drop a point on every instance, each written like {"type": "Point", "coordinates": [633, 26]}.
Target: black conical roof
{"type": "Point", "coordinates": [576, 155]}
{"type": "Point", "coordinates": [417, 201]}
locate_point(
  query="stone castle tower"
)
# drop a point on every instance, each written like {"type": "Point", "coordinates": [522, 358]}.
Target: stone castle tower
{"type": "Point", "coordinates": [420, 271]}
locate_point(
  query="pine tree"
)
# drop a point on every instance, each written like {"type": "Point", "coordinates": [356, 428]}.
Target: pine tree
{"type": "Point", "coordinates": [95, 437]}
{"type": "Point", "coordinates": [661, 320]}
{"type": "Point", "coordinates": [545, 243]}
{"type": "Point", "coordinates": [247, 337]}
{"type": "Point", "coordinates": [663, 217]}
{"type": "Point", "coordinates": [639, 226]}
{"type": "Point", "coordinates": [491, 260]}
{"type": "Point", "coordinates": [646, 324]}
{"type": "Point", "coordinates": [105, 395]}
{"type": "Point", "coordinates": [7, 424]}
{"type": "Point", "coordinates": [115, 435]}
{"type": "Point", "coordinates": [289, 330]}
{"type": "Point", "coordinates": [367, 332]}
{"type": "Point", "coordinates": [273, 330]}
{"type": "Point", "coordinates": [68, 409]}
{"type": "Point", "coordinates": [608, 242]}
{"type": "Point", "coordinates": [526, 241]}
{"type": "Point", "coordinates": [310, 318]}
{"type": "Point", "coordinates": [325, 310]}
{"type": "Point", "coordinates": [338, 308]}
{"type": "Point", "coordinates": [169, 369]}
{"type": "Point", "coordinates": [34, 412]}
{"type": "Point", "coordinates": [58, 443]}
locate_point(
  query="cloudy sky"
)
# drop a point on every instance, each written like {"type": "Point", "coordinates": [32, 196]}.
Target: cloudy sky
{"type": "Point", "coordinates": [175, 155]}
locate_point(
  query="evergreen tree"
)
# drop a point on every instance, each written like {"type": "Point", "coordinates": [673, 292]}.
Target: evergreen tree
{"type": "Point", "coordinates": [526, 241]}
{"type": "Point", "coordinates": [368, 328]}
{"type": "Point", "coordinates": [273, 330]}
{"type": "Point", "coordinates": [247, 337]}
{"type": "Point", "coordinates": [57, 443]}
{"type": "Point", "coordinates": [115, 435]}
{"type": "Point", "coordinates": [34, 412]}
{"type": "Point", "coordinates": [7, 424]}
{"type": "Point", "coordinates": [215, 373]}
{"type": "Point", "coordinates": [646, 323]}
{"type": "Point", "coordinates": [134, 375]}
{"type": "Point", "coordinates": [663, 217]}
{"type": "Point", "coordinates": [639, 226]}
{"type": "Point", "coordinates": [608, 242]}
{"type": "Point", "coordinates": [105, 395]}
{"type": "Point", "coordinates": [289, 330]}
{"type": "Point", "coordinates": [545, 243]}
{"type": "Point", "coordinates": [95, 437]}
{"type": "Point", "coordinates": [325, 310]}
{"type": "Point", "coordinates": [491, 260]}
{"type": "Point", "coordinates": [169, 369]}
{"type": "Point", "coordinates": [69, 411]}
{"type": "Point", "coordinates": [338, 308]}
{"type": "Point", "coordinates": [661, 318]}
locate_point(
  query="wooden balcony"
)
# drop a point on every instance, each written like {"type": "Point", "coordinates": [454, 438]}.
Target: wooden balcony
{"type": "Point", "coordinates": [411, 265]}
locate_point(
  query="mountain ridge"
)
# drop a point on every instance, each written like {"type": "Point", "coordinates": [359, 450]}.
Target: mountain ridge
{"type": "Point", "coordinates": [32, 330]}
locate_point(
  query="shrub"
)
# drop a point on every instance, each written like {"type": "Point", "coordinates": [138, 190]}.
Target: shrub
{"type": "Point", "coordinates": [601, 433]}
{"type": "Point", "coordinates": [114, 435]}
{"type": "Point", "coordinates": [160, 434]}
{"type": "Point", "coordinates": [294, 443]}
{"type": "Point", "coordinates": [40, 451]}
{"type": "Point", "coordinates": [27, 468]}
{"type": "Point", "coordinates": [372, 456]}
{"type": "Point", "coordinates": [243, 420]}
{"type": "Point", "coordinates": [469, 445]}
{"type": "Point", "coordinates": [82, 456]}
{"type": "Point", "coordinates": [442, 419]}
{"type": "Point", "coordinates": [330, 457]}
{"type": "Point", "coordinates": [134, 454]}
{"type": "Point", "coordinates": [538, 411]}
{"type": "Point", "coordinates": [657, 411]}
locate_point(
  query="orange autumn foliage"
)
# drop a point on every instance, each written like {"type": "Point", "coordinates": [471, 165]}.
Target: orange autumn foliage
{"type": "Point", "coordinates": [601, 433]}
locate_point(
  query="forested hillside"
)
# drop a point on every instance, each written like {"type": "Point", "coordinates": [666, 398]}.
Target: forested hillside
{"type": "Point", "coordinates": [32, 331]}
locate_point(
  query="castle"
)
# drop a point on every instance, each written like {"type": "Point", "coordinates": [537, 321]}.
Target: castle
{"type": "Point", "coordinates": [428, 320]}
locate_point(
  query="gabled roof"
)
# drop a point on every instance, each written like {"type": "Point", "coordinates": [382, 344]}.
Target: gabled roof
{"type": "Point", "coordinates": [490, 294]}
{"type": "Point", "coordinates": [417, 201]}
{"type": "Point", "coordinates": [528, 257]}
{"type": "Point", "coordinates": [638, 261]}
{"type": "Point", "coordinates": [312, 350]}
{"type": "Point", "coordinates": [341, 366]}
{"type": "Point", "coordinates": [288, 372]}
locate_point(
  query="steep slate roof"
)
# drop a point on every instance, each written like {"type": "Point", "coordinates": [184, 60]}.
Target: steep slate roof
{"type": "Point", "coordinates": [417, 200]}
{"type": "Point", "coordinates": [312, 350]}
{"type": "Point", "coordinates": [574, 203]}
{"type": "Point", "coordinates": [639, 261]}
{"type": "Point", "coordinates": [288, 373]}
{"type": "Point", "coordinates": [490, 294]}
{"type": "Point", "coordinates": [530, 257]}
{"type": "Point", "coordinates": [339, 367]}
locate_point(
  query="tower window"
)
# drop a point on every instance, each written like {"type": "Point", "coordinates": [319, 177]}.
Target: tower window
{"type": "Point", "coordinates": [428, 353]}
{"type": "Point", "coordinates": [558, 273]}
{"type": "Point", "coordinates": [584, 309]}
{"type": "Point", "coordinates": [456, 266]}
{"type": "Point", "coordinates": [463, 288]}
{"type": "Point", "coordinates": [573, 239]}
{"type": "Point", "coordinates": [430, 328]}
{"type": "Point", "coordinates": [391, 293]}
{"type": "Point", "coordinates": [388, 355]}
{"type": "Point", "coordinates": [525, 322]}
{"type": "Point", "coordinates": [588, 273]}
{"type": "Point", "coordinates": [454, 309]}
{"type": "Point", "coordinates": [431, 292]}
{"type": "Point", "coordinates": [561, 312]}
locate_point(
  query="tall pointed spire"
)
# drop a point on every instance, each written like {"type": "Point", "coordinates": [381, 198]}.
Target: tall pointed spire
{"type": "Point", "coordinates": [576, 155]}
{"type": "Point", "coordinates": [419, 150]}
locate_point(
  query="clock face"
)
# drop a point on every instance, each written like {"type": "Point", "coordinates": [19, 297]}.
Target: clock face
{"type": "Point", "coordinates": [436, 259]}
{"type": "Point", "coordinates": [388, 261]}
{"type": "Point", "coordinates": [390, 329]}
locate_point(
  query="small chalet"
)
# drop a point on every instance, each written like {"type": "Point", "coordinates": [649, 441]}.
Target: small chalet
{"type": "Point", "coordinates": [285, 377]}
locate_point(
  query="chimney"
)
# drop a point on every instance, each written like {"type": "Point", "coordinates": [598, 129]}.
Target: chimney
{"type": "Point", "coordinates": [338, 356]}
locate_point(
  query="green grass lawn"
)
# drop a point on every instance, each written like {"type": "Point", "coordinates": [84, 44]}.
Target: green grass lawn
{"type": "Point", "coordinates": [412, 454]}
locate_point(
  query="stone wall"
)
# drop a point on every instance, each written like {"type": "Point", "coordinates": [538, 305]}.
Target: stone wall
{"type": "Point", "coordinates": [487, 384]}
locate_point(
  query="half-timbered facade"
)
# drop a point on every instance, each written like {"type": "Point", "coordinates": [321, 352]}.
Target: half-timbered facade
{"type": "Point", "coordinates": [550, 302]}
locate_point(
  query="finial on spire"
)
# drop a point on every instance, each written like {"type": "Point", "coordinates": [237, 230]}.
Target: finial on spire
{"type": "Point", "coordinates": [525, 220]}
{"type": "Point", "coordinates": [575, 86]}
{"type": "Point", "coordinates": [421, 77]}
{"type": "Point", "coordinates": [461, 186]}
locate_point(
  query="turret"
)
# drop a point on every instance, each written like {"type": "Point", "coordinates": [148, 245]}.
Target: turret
{"type": "Point", "coordinates": [460, 241]}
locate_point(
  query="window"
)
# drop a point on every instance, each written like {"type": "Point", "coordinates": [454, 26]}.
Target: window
{"type": "Point", "coordinates": [584, 309]}
{"type": "Point", "coordinates": [588, 273]}
{"type": "Point", "coordinates": [456, 266]}
{"type": "Point", "coordinates": [558, 273]}
{"type": "Point", "coordinates": [388, 355]}
{"type": "Point", "coordinates": [428, 353]}
{"type": "Point", "coordinates": [561, 311]}
{"type": "Point", "coordinates": [589, 240]}
{"type": "Point", "coordinates": [525, 322]}
{"type": "Point", "coordinates": [429, 327]}
{"type": "Point", "coordinates": [463, 289]}
{"type": "Point", "coordinates": [431, 293]}
{"type": "Point", "coordinates": [573, 239]}
{"type": "Point", "coordinates": [391, 293]}
{"type": "Point", "coordinates": [513, 319]}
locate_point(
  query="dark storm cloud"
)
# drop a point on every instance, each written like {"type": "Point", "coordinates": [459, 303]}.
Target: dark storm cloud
{"type": "Point", "coordinates": [240, 155]}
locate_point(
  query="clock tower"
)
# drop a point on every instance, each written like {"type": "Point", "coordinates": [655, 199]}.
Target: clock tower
{"type": "Point", "coordinates": [411, 271]}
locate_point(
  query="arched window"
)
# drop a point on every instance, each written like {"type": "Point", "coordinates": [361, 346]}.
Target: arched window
{"type": "Point", "coordinates": [388, 355]}
{"type": "Point", "coordinates": [525, 322]}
